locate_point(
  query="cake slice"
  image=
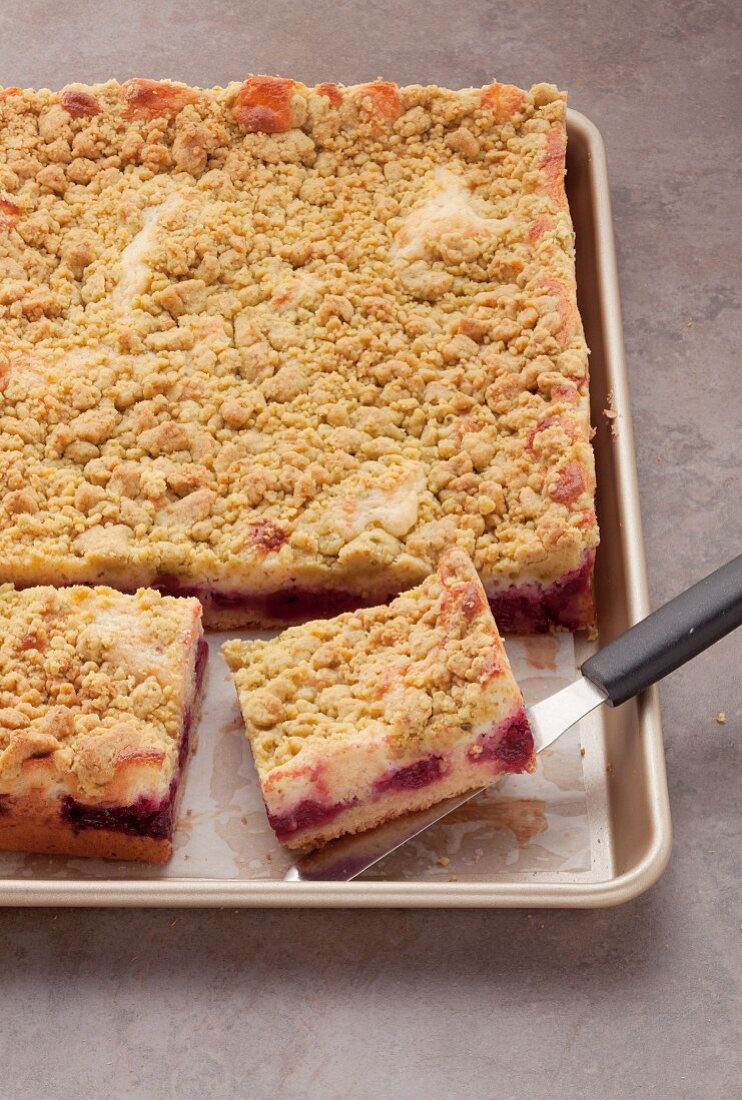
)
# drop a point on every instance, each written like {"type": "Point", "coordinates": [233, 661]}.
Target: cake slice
{"type": "Point", "coordinates": [360, 718]}
{"type": "Point", "coordinates": [98, 698]}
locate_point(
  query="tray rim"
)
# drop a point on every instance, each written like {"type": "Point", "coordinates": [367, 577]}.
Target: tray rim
{"type": "Point", "coordinates": [207, 893]}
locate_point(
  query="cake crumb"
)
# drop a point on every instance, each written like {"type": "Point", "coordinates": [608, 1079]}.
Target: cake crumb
{"type": "Point", "coordinates": [582, 750]}
{"type": "Point", "coordinates": [243, 819]}
{"type": "Point", "coordinates": [269, 856]}
{"type": "Point", "coordinates": [609, 768]}
{"type": "Point", "coordinates": [444, 861]}
{"type": "Point", "coordinates": [721, 718]}
{"type": "Point", "coordinates": [453, 878]}
{"type": "Point", "coordinates": [611, 415]}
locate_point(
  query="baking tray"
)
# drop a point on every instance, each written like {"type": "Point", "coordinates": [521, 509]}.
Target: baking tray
{"type": "Point", "coordinates": [624, 762]}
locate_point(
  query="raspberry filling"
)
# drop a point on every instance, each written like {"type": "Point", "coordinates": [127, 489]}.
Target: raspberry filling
{"type": "Point", "coordinates": [413, 777]}
{"type": "Point", "coordinates": [510, 745]}
{"type": "Point", "coordinates": [306, 815]}
{"type": "Point", "coordinates": [521, 609]}
{"type": "Point", "coordinates": [145, 817]}
{"type": "Point", "coordinates": [294, 604]}
{"type": "Point", "coordinates": [531, 609]}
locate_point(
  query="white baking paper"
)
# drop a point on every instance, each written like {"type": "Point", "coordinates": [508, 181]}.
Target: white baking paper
{"type": "Point", "coordinates": [532, 826]}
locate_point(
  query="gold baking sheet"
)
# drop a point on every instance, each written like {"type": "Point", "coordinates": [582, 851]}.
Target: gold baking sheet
{"type": "Point", "coordinates": [607, 834]}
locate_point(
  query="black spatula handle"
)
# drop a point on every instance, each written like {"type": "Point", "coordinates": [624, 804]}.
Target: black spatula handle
{"type": "Point", "coordinates": [669, 637]}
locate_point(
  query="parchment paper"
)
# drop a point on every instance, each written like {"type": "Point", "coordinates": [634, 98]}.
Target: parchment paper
{"type": "Point", "coordinates": [529, 826]}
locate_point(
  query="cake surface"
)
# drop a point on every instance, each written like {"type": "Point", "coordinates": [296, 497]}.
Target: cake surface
{"type": "Point", "coordinates": [358, 719]}
{"type": "Point", "coordinates": [279, 346]}
{"type": "Point", "coordinates": [98, 699]}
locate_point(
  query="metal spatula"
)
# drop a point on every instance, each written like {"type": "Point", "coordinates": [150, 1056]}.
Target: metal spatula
{"type": "Point", "coordinates": [646, 653]}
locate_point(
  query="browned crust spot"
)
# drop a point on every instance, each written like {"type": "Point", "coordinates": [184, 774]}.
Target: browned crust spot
{"type": "Point", "coordinates": [79, 104]}
{"type": "Point", "coordinates": [505, 100]}
{"type": "Point", "coordinates": [331, 92]}
{"type": "Point", "coordinates": [154, 98]}
{"type": "Point", "coordinates": [384, 99]}
{"type": "Point", "coordinates": [553, 165]}
{"type": "Point", "coordinates": [570, 483]}
{"type": "Point", "coordinates": [263, 105]}
{"type": "Point", "coordinates": [9, 214]}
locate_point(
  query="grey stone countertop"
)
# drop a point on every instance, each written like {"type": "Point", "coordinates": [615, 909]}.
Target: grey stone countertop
{"type": "Point", "coordinates": [639, 1000]}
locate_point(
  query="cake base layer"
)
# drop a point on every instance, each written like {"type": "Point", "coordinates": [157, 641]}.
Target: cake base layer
{"type": "Point", "coordinates": [506, 748]}
{"type": "Point", "coordinates": [142, 832]}
{"type": "Point", "coordinates": [23, 834]}
{"type": "Point", "coordinates": [566, 604]}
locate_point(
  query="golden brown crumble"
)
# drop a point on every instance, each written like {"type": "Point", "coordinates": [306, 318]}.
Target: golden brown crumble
{"type": "Point", "coordinates": [421, 669]}
{"type": "Point", "coordinates": [90, 678]}
{"type": "Point", "coordinates": [269, 334]}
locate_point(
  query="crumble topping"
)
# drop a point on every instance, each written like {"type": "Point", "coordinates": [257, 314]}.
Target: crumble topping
{"type": "Point", "coordinates": [266, 332]}
{"type": "Point", "coordinates": [90, 678]}
{"type": "Point", "coordinates": [418, 671]}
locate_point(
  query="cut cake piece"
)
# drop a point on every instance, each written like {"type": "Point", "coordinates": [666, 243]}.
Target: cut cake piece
{"type": "Point", "coordinates": [98, 699]}
{"type": "Point", "coordinates": [278, 347]}
{"type": "Point", "coordinates": [364, 717]}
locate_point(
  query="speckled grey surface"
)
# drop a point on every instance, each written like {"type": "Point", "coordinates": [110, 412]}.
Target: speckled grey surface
{"type": "Point", "coordinates": [639, 1000]}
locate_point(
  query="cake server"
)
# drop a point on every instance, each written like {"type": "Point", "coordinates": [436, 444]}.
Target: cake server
{"type": "Point", "coordinates": [646, 653]}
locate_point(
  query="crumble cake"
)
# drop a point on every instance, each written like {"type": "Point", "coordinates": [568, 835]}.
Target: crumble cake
{"type": "Point", "coordinates": [278, 347]}
{"type": "Point", "coordinates": [98, 694]}
{"type": "Point", "coordinates": [375, 713]}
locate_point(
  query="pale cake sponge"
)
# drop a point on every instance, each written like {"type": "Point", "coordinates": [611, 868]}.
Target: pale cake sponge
{"type": "Point", "coordinates": [279, 346]}
{"type": "Point", "coordinates": [98, 700]}
{"type": "Point", "coordinates": [360, 718]}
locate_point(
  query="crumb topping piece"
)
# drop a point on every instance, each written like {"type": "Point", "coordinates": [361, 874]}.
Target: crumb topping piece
{"type": "Point", "coordinates": [418, 671]}
{"type": "Point", "coordinates": [344, 314]}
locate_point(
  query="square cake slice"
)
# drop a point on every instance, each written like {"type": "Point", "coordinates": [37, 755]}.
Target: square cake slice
{"type": "Point", "coordinates": [278, 347]}
{"type": "Point", "coordinates": [98, 700]}
{"type": "Point", "coordinates": [361, 718]}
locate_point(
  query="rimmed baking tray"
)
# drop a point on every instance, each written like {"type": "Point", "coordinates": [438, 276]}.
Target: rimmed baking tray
{"type": "Point", "coordinates": [630, 819]}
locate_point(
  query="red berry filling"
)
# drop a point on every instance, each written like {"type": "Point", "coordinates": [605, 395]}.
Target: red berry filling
{"type": "Point", "coordinates": [414, 776]}
{"type": "Point", "coordinates": [535, 610]}
{"type": "Point", "coordinates": [306, 815]}
{"type": "Point", "coordinates": [143, 818]}
{"type": "Point", "coordinates": [509, 745]}
{"type": "Point", "coordinates": [294, 604]}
